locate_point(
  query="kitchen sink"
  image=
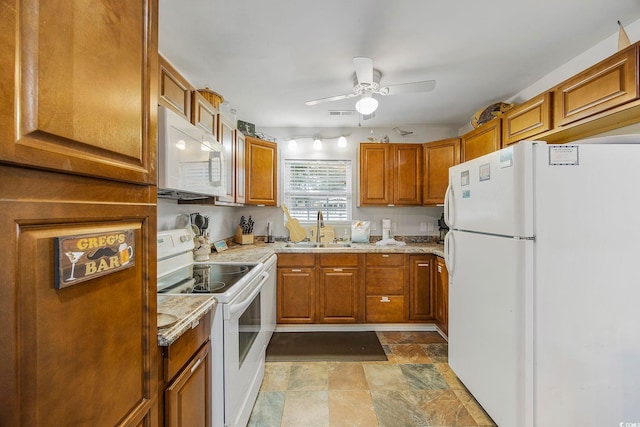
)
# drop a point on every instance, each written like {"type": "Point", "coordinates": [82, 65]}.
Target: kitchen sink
{"type": "Point", "coordinates": [316, 245]}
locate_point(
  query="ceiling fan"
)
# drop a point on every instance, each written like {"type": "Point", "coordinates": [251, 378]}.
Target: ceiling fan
{"type": "Point", "coordinates": [366, 82]}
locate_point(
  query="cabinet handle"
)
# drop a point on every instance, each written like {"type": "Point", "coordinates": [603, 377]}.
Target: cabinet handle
{"type": "Point", "coordinates": [439, 269]}
{"type": "Point", "coordinates": [195, 366]}
{"type": "Point", "coordinates": [423, 265]}
{"type": "Point", "coordinates": [385, 299]}
{"type": "Point", "coordinates": [337, 269]}
{"type": "Point", "coordinates": [385, 256]}
{"type": "Point", "coordinates": [295, 270]}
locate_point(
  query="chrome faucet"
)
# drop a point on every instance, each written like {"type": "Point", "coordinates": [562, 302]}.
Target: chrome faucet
{"type": "Point", "coordinates": [320, 224]}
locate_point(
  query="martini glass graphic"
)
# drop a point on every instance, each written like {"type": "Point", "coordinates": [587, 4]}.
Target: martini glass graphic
{"type": "Point", "coordinates": [74, 257]}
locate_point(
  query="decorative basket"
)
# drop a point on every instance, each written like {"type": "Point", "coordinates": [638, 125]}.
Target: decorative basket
{"type": "Point", "coordinates": [213, 97]}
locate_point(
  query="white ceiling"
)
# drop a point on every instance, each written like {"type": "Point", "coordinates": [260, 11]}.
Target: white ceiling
{"type": "Point", "coordinates": [268, 57]}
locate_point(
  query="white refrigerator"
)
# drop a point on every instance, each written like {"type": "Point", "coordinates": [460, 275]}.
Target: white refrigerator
{"type": "Point", "coordinates": [544, 299]}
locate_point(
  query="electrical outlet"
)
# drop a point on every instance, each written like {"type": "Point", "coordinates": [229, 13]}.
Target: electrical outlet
{"type": "Point", "coordinates": [423, 226]}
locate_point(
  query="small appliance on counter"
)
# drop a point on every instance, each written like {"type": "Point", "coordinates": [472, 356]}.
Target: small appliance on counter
{"type": "Point", "coordinates": [270, 238]}
{"type": "Point", "coordinates": [443, 228]}
{"type": "Point", "coordinates": [386, 228]}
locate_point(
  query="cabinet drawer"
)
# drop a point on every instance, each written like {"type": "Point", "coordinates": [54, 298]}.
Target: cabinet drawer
{"type": "Point", "coordinates": [608, 84]}
{"type": "Point", "coordinates": [385, 280]}
{"type": "Point", "coordinates": [178, 353]}
{"type": "Point", "coordinates": [339, 260]}
{"type": "Point", "coordinates": [385, 259]}
{"type": "Point", "coordinates": [385, 309]}
{"type": "Point", "coordinates": [296, 260]}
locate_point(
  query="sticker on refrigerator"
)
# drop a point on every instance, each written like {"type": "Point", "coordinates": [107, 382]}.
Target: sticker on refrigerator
{"type": "Point", "coordinates": [506, 157]}
{"type": "Point", "coordinates": [485, 172]}
{"type": "Point", "coordinates": [466, 194]}
{"type": "Point", "coordinates": [464, 178]}
{"type": "Point", "coordinates": [563, 155]}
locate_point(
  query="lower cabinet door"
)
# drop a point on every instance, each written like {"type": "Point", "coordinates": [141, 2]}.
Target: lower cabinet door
{"type": "Point", "coordinates": [338, 301]}
{"type": "Point", "coordinates": [385, 309]}
{"type": "Point", "coordinates": [296, 297]}
{"type": "Point", "coordinates": [188, 397]}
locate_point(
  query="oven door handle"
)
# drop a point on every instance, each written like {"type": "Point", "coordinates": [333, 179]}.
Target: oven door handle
{"type": "Point", "coordinates": [242, 305]}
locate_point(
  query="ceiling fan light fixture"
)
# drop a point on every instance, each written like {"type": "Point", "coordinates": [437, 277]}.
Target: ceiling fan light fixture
{"type": "Point", "coordinates": [342, 142]}
{"type": "Point", "coordinates": [367, 104]}
{"type": "Point", "coordinates": [293, 144]}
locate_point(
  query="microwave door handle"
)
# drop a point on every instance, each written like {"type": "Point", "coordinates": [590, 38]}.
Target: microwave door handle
{"type": "Point", "coordinates": [242, 305]}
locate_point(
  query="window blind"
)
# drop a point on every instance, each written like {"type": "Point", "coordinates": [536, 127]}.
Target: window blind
{"type": "Point", "coordinates": [318, 185]}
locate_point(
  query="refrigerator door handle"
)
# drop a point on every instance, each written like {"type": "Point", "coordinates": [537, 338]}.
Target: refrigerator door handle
{"type": "Point", "coordinates": [448, 206]}
{"type": "Point", "coordinates": [449, 252]}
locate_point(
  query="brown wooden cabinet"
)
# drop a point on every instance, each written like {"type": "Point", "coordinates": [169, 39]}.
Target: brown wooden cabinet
{"type": "Point", "coordinates": [421, 295]}
{"type": "Point", "coordinates": [483, 140]}
{"type": "Point", "coordinates": [608, 84]}
{"type": "Point", "coordinates": [73, 94]}
{"type": "Point", "coordinates": [339, 288]}
{"type": "Point", "coordinates": [385, 285]}
{"type": "Point", "coordinates": [527, 119]}
{"type": "Point", "coordinates": [390, 174]}
{"type": "Point", "coordinates": [240, 174]}
{"type": "Point", "coordinates": [187, 375]}
{"type": "Point", "coordinates": [296, 288]}
{"type": "Point", "coordinates": [175, 92]}
{"type": "Point", "coordinates": [56, 340]}
{"type": "Point", "coordinates": [203, 114]}
{"type": "Point", "coordinates": [78, 147]}
{"type": "Point", "coordinates": [442, 295]}
{"type": "Point", "coordinates": [227, 137]}
{"type": "Point", "coordinates": [261, 172]}
{"type": "Point", "coordinates": [439, 156]}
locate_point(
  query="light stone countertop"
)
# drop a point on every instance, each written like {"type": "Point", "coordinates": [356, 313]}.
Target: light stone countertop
{"type": "Point", "coordinates": [188, 309]}
{"type": "Point", "coordinates": [259, 251]}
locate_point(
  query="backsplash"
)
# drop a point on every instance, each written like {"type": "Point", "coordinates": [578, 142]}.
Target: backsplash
{"type": "Point", "coordinates": [405, 221]}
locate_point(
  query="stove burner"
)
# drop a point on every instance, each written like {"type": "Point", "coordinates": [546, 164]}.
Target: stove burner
{"type": "Point", "coordinates": [229, 269]}
{"type": "Point", "coordinates": [205, 288]}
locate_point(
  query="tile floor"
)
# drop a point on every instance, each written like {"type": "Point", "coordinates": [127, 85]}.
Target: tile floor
{"type": "Point", "coordinates": [415, 387]}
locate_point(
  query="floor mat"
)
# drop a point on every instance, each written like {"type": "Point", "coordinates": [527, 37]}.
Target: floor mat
{"type": "Point", "coordinates": [324, 346]}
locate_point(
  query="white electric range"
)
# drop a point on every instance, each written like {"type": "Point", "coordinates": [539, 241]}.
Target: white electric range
{"type": "Point", "coordinates": [241, 326]}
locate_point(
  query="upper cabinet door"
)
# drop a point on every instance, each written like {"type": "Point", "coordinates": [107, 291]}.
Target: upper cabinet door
{"type": "Point", "coordinates": [527, 119]}
{"type": "Point", "coordinates": [175, 90]}
{"type": "Point", "coordinates": [407, 174]}
{"type": "Point", "coordinates": [79, 88]}
{"type": "Point", "coordinates": [439, 156]}
{"type": "Point", "coordinates": [261, 172]}
{"type": "Point", "coordinates": [227, 137]}
{"type": "Point", "coordinates": [376, 167]}
{"type": "Point", "coordinates": [483, 140]}
{"type": "Point", "coordinates": [240, 175]}
{"type": "Point", "coordinates": [204, 115]}
{"type": "Point", "coordinates": [608, 84]}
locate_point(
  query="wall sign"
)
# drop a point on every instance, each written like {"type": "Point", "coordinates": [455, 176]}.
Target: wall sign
{"type": "Point", "coordinates": [84, 257]}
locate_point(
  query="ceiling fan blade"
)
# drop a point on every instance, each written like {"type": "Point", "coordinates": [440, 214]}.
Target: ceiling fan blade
{"type": "Point", "coordinates": [425, 86]}
{"type": "Point", "coordinates": [331, 98]}
{"type": "Point", "coordinates": [364, 69]}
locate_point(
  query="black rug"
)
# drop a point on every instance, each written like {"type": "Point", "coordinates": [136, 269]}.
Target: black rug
{"type": "Point", "coordinates": [324, 346]}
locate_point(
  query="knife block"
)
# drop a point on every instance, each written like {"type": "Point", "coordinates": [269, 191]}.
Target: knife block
{"type": "Point", "coordinates": [243, 239]}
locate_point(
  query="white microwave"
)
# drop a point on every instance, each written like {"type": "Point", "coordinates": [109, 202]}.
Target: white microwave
{"type": "Point", "coordinates": [190, 160]}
